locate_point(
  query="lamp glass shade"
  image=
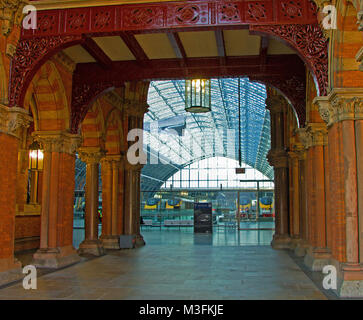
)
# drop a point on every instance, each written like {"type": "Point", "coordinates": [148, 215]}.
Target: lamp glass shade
{"type": "Point", "coordinates": [198, 95]}
{"type": "Point", "coordinates": [36, 157]}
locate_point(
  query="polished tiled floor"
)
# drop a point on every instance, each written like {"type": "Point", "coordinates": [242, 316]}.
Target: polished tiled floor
{"type": "Point", "coordinates": [180, 265]}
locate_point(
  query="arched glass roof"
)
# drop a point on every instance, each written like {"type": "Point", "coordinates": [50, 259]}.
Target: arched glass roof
{"type": "Point", "coordinates": [205, 135]}
{"type": "Point", "coordinates": [200, 136]}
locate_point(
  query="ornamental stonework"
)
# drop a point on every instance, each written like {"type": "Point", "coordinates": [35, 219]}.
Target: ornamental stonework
{"type": "Point", "coordinates": [61, 142]}
{"type": "Point", "coordinates": [91, 155]}
{"type": "Point", "coordinates": [13, 120]}
{"type": "Point", "coordinates": [314, 134]}
{"type": "Point", "coordinates": [341, 104]}
{"type": "Point", "coordinates": [10, 14]}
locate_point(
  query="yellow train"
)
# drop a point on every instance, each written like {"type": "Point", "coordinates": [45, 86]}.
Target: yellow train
{"type": "Point", "coordinates": [151, 204]}
{"type": "Point", "coordinates": [173, 204]}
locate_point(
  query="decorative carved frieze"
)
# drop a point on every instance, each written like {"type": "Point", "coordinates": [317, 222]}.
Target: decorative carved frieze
{"type": "Point", "coordinates": [309, 41]}
{"type": "Point", "coordinates": [53, 141]}
{"type": "Point", "coordinates": [29, 55]}
{"type": "Point", "coordinates": [314, 134]}
{"type": "Point", "coordinates": [341, 104]}
{"type": "Point", "coordinates": [91, 155]}
{"type": "Point", "coordinates": [13, 120]}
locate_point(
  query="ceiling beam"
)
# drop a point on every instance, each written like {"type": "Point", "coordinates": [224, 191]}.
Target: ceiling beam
{"type": "Point", "coordinates": [97, 53]}
{"type": "Point", "coordinates": [221, 46]}
{"type": "Point", "coordinates": [167, 69]}
{"type": "Point", "coordinates": [178, 48]}
{"type": "Point", "coordinates": [263, 51]}
{"type": "Point", "coordinates": [134, 46]}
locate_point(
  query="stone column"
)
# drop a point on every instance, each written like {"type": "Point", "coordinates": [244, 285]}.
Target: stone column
{"type": "Point", "coordinates": [314, 137]}
{"type": "Point", "coordinates": [110, 197]}
{"type": "Point", "coordinates": [91, 244]}
{"type": "Point", "coordinates": [278, 158]}
{"type": "Point", "coordinates": [296, 188]}
{"type": "Point", "coordinates": [342, 110]}
{"type": "Point", "coordinates": [132, 203]}
{"type": "Point", "coordinates": [56, 235]}
{"type": "Point", "coordinates": [13, 122]}
{"type": "Point", "coordinates": [303, 244]}
{"type": "Point", "coordinates": [139, 238]}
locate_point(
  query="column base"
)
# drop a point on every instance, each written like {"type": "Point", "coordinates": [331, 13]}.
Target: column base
{"type": "Point", "coordinates": [93, 247]}
{"type": "Point", "coordinates": [301, 248]}
{"type": "Point", "coordinates": [111, 242]}
{"type": "Point", "coordinates": [281, 242]}
{"type": "Point", "coordinates": [55, 257]}
{"type": "Point", "coordinates": [350, 280]}
{"type": "Point", "coordinates": [10, 270]}
{"type": "Point", "coordinates": [317, 258]}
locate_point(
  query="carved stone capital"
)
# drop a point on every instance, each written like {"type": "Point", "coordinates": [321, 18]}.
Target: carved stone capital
{"type": "Point", "coordinates": [276, 104]}
{"type": "Point", "coordinates": [314, 134]}
{"type": "Point", "coordinates": [10, 14]}
{"type": "Point", "coordinates": [91, 155]}
{"type": "Point", "coordinates": [54, 141]}
{"type": "Point", "coordinates": [112, 160]}
{"type": "Point", "coordinates": [278, 158]}
{"type": "Point", "coordinates": [13, 120]}
{"type": "Point", "coordinates": [341, 104]}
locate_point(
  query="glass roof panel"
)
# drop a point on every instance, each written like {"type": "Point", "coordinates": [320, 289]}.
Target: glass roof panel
{"type": "Point", "coordinates": [211, 134]}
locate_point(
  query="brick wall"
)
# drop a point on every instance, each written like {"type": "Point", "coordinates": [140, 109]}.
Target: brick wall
{"type": "Point", "coordinates": [27, 232]}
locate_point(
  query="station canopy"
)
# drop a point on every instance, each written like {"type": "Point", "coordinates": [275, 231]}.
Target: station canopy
{"type": "Point", "coordinates": [174, 138]}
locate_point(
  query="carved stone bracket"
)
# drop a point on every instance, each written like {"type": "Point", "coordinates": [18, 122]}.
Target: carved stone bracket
{"type": "Point", "coordinates": [341, 104]}
{"type": "Point", "coordinates": [53, 141]}
{"type": "Point", "coordinates": [13, 120]}
{"type": "Point", "coordinates": [309, 41]}
{"type": "Point", "coordinates": [91, 155]}
{"type": "Point", "coordinates": [314, 134]}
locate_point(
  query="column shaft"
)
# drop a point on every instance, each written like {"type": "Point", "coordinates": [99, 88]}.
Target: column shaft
{"type": "Point", "coordinates": [91, 224]}
{"type": "Point", "coordinates": [115, 194]}
{"type": "Point", "coordinates": [359, 144]}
